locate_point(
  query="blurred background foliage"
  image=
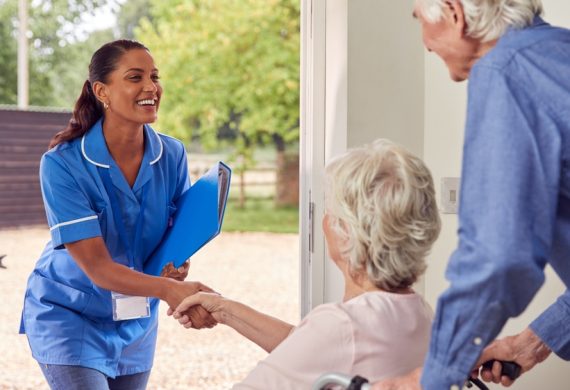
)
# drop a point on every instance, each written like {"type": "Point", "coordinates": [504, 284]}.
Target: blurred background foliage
{"type": "Point", "coordinates": [229, 68]}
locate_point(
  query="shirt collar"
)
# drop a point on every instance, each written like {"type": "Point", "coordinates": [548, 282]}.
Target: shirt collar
{"type": "Point", "coordinates": [536, 21]}
{"type": "Point", "coordinates": [94, 148]}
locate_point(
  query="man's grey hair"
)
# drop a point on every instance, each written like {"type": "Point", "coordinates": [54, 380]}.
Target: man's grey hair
{"type": "Point", "coordinates": [486, 20]}
{"type": "Point", "coordinates": [381, 203]}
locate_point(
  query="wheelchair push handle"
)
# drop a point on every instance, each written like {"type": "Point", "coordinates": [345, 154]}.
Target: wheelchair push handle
{"type": "Point", "coordinates": [350, 383]}
{"type": "Point", "coordinates": [510, 369]}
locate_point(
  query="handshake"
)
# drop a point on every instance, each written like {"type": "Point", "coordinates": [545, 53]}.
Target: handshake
{"type": "Point", "coordinates": [193, 304]}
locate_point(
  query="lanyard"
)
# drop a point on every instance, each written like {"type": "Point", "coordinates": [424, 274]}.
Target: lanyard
{"type": "Point", "coordinates": [117, 216]}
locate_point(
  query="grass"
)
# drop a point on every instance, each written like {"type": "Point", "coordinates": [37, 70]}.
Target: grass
{"type": "Point", "coordinates": [260, 215]}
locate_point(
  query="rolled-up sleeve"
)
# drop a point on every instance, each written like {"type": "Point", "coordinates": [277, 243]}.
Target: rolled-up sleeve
{"type": "Point", "coordinates": [69, 213]}
{"type": "Point", "coordinates": [507, 211]}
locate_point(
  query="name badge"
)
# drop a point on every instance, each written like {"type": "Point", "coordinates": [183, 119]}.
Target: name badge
{"type": "Point", "coordinates": [129, 307]}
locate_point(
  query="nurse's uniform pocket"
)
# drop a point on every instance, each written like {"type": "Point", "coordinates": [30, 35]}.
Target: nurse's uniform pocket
{"type": "Point", "coordinates": [50, 292]}
{"type": "Point", "coordinates": [52, 307]}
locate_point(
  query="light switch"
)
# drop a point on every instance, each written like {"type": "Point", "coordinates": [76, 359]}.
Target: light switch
{"type": "Point", "coordinates": [449, 195]}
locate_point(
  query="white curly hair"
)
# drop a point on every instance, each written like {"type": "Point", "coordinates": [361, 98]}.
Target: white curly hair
{"type": "Point", "coordinates": [486, 20]}
{"type": "Point", "coordinates": [380, 200]}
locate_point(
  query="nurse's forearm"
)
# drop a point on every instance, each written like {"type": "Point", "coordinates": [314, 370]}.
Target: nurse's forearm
{"type": "Point", "coordinates": [93, 258]}
{"type": "Point", "coordinates": [264, 330]}
{"type": "Point", "coordinates": [121, 279]}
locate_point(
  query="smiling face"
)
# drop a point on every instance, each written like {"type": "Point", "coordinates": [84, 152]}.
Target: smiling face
{"type": "Point", "coordinates": [447, 39]}
{"type": "Point", "coordinates": [132, 90]}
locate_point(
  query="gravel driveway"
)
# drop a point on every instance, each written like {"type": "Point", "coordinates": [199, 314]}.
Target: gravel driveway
{"type": "Point", "coordinates": [259, 269]}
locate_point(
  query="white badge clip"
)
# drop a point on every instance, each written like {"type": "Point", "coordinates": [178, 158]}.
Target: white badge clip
{"type": "Point", "coordinates": [129, 307]}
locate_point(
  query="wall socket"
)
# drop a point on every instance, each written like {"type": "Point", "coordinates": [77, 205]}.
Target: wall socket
{"type": "Point", "coordinates": [449, 195]}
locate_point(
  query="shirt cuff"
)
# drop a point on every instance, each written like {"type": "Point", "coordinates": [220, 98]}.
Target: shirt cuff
{"type": "Point", "coordinates": [75, 230]}
{"type": "Point", "coordinates": [553, 327]}
{"type": "Point", "coordinates": [438, 377]}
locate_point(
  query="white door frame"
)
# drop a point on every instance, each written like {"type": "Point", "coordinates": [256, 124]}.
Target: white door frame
{"type": "Point", "coordinates": [324, 36]}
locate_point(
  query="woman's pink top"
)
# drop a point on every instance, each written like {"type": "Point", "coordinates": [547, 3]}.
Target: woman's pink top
{"type": "Point", "coordinates": [376, 335]}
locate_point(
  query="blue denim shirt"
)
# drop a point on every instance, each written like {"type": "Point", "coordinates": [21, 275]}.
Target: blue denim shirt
{"type": "Point", "coordinates": [514, 213]}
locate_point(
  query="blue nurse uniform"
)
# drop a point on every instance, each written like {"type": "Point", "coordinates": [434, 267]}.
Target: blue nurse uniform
{"type": "Point", "coordinates": [67, 319]}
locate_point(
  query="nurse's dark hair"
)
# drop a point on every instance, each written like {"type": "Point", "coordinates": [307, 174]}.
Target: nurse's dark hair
{"type": "Point", "coordinates": [88, 109]}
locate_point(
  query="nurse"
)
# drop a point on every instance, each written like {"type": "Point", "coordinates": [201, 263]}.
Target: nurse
{"type": "Point", "coordinates": [109, 184]}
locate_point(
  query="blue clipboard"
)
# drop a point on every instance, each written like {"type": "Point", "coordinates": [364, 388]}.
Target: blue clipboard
{"type": "Point", "coordinates": [198, 219]}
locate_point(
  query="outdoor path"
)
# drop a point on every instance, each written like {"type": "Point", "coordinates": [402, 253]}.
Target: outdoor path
{"type": "Point", "coordinates": [259, 269]}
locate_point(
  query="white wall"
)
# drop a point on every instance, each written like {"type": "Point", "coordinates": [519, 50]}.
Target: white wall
{"type": "Point", "coordinates": [445, 104]}
{"type": "Point", "coordinates": [385, 63]}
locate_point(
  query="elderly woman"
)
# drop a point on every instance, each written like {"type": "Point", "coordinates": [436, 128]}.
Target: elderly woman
{"type": "Point", "coordinates": [380, 223]}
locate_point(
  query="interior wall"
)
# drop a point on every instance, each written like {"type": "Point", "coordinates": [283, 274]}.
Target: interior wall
{"type": "Point", "coordinates": [385, 78]}
{"type": "Point", "coordinates": [371, 94]}
{"type": "Point", "coordinates": [445, 103]}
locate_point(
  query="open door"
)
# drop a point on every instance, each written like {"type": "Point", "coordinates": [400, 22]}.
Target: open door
{"type": "Point", "coordinates": [323, 135]}
{"type": "Point", "coordinates": [362, 78]}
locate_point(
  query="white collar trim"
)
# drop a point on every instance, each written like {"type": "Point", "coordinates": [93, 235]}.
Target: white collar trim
{"type": "Point", "coordinates": [108, 166]}
{"type": "Point", "coordinates": [87, 158]}
{"type": "Point", "coordinates": [161, 147]}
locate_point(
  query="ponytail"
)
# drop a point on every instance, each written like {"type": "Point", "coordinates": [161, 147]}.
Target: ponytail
{"type": "Point", "coordinates": [86, 112]}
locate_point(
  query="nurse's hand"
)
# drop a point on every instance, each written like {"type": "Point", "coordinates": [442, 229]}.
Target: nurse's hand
{"type": "Point", "coordinates": [198, 316]}
{"type": "Point", "coordinates": [180, 273]}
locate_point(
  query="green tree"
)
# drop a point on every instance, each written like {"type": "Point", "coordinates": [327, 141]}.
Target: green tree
{"type": "Point", "coordinates": [59, 50]}
{"type": "Point", "coordinates": [55, 42]}
{"type": "Point", "coordinates": [228, 64]}
{"type": "Point", "coordinates": [130, 15]}
{"type": "Point", "coordinates": [67, 77]}
{"type": "Point", "coordinates": [8, 52]}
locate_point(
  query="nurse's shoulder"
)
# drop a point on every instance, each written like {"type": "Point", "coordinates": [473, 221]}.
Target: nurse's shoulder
{"type": "Point", "coordinates": [62, 156]}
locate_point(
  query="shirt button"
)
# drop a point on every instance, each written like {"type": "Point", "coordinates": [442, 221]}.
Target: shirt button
{"type": "Point", "coordinates": [477, 341]}
{"type": "Point", "coordinates": [454, 387]}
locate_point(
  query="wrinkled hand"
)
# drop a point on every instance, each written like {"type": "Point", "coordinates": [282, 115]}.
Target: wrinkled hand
{"type": "Point", "coordinates": [199, 317]}
{"type": "Point", "coordinates": [211, 302]}
{"type": "Point", "coordinates": [180, 273]}
{"type": "Point", "coordinates": [411, 381]}
{"type": "Point", "coordinates": [526, 349]}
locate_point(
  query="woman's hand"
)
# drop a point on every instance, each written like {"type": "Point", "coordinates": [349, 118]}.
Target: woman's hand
{"type": "Point", "coordinates": [211, 302]}
{"type": "Point", "coordinates": [198, 317]}
{"type": "Point", "coordinates": [180, 273]}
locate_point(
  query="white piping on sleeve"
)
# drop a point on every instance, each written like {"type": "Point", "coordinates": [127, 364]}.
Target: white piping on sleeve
{"type": "Point", "coordinates": [72, 222]}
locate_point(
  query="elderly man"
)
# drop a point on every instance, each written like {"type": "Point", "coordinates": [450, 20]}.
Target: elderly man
{"type": "Point", "coordinates": [514, 210]}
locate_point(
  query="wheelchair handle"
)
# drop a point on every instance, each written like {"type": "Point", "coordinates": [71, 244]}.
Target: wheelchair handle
{"type": "Point", "coordinates": [348, 382]}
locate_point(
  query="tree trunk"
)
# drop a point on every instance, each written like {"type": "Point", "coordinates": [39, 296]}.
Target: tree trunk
{"type": "Point", "coordinates": [242, 189]}
{"type": "Point", "coordinates": [287, 176]}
